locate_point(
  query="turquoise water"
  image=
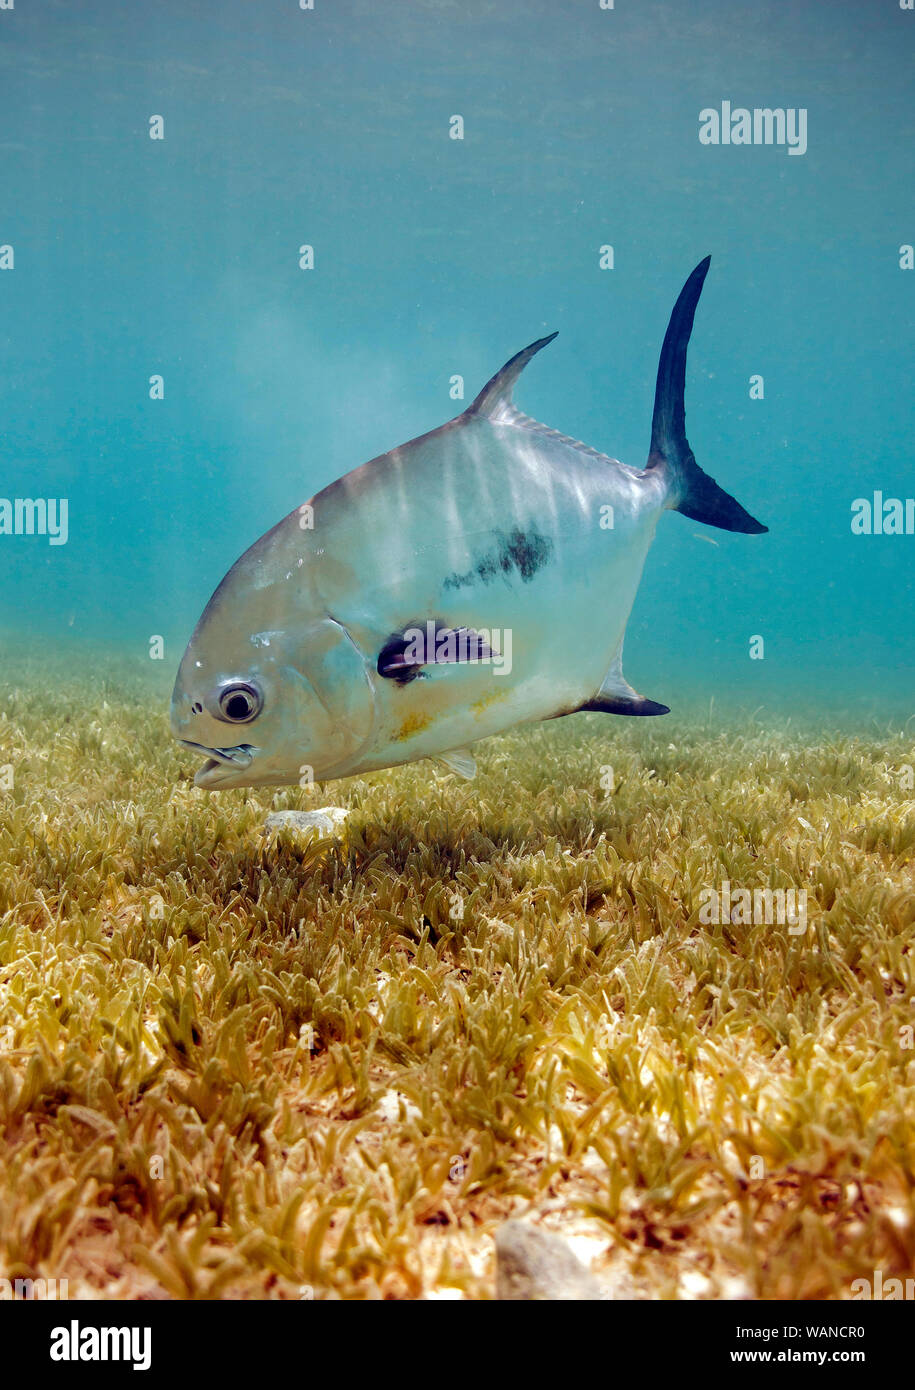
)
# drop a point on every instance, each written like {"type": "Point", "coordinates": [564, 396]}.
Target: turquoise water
{"type": "Point", "coordinates": [434, 256]}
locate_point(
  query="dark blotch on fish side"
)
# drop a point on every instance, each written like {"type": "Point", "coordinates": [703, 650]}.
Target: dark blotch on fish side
{"type": "Point", "coordinates": [525, 552]}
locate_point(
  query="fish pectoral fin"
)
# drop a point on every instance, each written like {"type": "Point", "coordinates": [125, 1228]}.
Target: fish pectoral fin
{"type": "Point", "coordinates": [405, 654]}
{"type": "Point", "coordinates": [616, 695]}
{"type": "Point", "coordinates": [459, 760]}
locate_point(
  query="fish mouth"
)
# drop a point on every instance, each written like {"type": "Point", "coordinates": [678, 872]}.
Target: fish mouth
{"type": "Point", "coordinates": [237, 758]}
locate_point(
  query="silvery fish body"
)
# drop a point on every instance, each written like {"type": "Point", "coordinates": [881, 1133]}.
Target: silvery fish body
{"type": "Point", "coordinates": [479, 576]}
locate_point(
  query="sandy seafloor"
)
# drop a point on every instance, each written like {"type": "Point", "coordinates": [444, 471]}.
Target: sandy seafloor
{"type": "Point", "coordinates": [276, 1067]}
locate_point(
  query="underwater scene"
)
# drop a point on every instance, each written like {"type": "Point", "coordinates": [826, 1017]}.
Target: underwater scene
{"type": "Point", "coordinates": [373, 926]}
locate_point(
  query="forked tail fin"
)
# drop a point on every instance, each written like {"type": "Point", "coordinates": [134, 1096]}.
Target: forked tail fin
{"type": "Point", "coordinates": [692, 492]}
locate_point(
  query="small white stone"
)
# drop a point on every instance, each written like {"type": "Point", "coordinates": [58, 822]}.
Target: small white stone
{"type": "Point", "coordinates": [326, 821]}
{"type": "Point", "coordinates": [389, 1105]}
{"type": "Point", "coordinates": [694, 1284]}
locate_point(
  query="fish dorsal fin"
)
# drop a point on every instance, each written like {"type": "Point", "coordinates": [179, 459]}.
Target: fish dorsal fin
{"type": "Point", "coordinates": [495, 400]}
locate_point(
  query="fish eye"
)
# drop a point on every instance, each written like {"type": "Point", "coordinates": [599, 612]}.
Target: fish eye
{"type": "Point", "coordinates": [240, 702]}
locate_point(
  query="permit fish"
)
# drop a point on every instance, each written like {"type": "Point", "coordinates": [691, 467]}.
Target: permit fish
{"type": "Point", "coordinates": [478, 577]}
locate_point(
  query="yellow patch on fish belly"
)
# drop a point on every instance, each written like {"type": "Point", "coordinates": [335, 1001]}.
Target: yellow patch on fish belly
{"type": "Point", "coordinates": [498, 692]}
{"type": "Point", "coordinates": [413, 724]}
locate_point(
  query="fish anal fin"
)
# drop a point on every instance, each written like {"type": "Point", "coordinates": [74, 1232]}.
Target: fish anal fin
{"type": "Point", "coordinates": [616, 695]}
{"type": "Point", "coordinates": [605, 704]}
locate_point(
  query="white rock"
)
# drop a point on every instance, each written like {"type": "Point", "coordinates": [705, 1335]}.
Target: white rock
{"type": "Point", "coordinates": [326, 821]}
{"type": "Point", "coordinates": [389, 1104]}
